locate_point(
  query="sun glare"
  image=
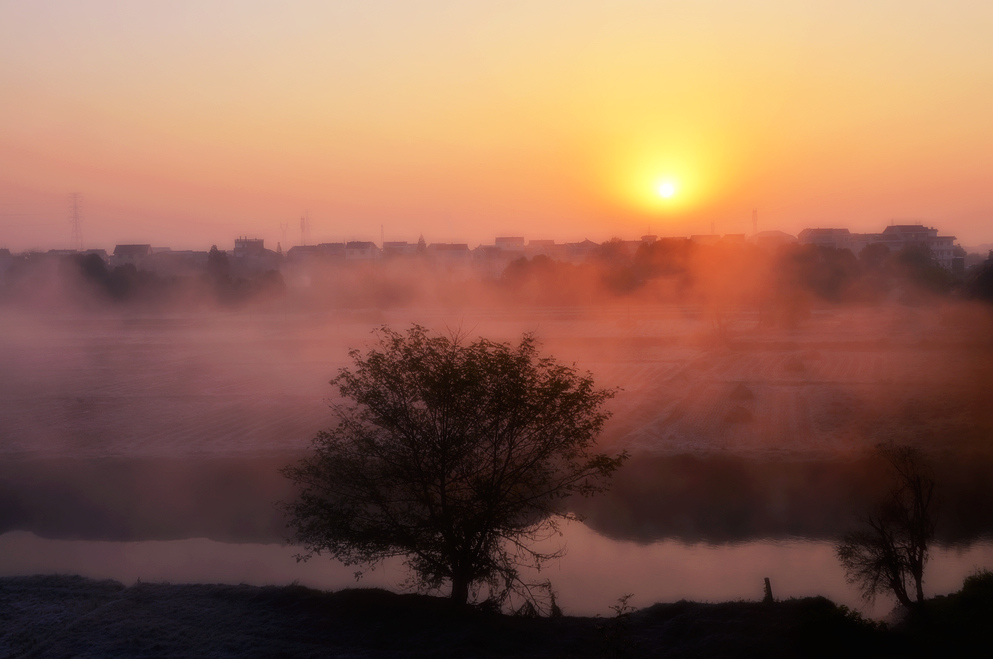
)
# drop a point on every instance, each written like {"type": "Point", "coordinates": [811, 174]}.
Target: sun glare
{"type": "Point", "coordinates": [669, 185]}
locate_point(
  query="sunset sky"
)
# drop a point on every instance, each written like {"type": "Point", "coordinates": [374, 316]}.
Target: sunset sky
{"type": "Point", "coordinates": [190, 123]}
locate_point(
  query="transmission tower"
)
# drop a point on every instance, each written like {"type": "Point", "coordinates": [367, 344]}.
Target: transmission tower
{"type": "Point", "coordinates": [76, 237]}
{"type": "Point", "coordinates": [304, 228]}
{"type": "Point", "coordinates": [755, 221]}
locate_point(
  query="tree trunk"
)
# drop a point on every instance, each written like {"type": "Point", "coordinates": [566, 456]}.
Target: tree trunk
{"type": "Point", "coordinates": [918, 581]}
{"type": "Point", "coordinates": [460, 590]}
{"type": "Point", "coordinates": [900, 590]}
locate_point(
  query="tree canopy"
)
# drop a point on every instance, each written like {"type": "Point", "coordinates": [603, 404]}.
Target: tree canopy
{"type": "Point", "coordinates": [452, 454]}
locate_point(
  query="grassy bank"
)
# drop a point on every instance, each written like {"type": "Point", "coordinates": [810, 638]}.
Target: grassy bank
{"type": "Point", "coordinates": [60, 616]}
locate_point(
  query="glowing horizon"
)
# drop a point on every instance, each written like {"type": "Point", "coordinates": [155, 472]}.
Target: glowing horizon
{"type": "Point", "coordinates": [189, 123]}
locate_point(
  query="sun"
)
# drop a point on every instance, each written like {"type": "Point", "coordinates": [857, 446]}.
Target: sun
{"type": "Point", "coordinates": [667, 189]}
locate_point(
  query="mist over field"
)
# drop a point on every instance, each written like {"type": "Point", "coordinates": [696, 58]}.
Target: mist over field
{"type": "Point", "coordinates": [751, 391]}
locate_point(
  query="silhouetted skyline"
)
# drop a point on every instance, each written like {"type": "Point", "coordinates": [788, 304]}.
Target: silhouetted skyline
{"type": "Point", "coordinates": [576, 119]}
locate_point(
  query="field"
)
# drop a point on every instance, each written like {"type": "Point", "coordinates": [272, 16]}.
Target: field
{"type": "Point", "coordinates": [257, 384]}
{"type": "Point", "coordinates": [135, 428]}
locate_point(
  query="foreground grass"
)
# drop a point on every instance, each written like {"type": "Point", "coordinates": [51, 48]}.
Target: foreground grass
{"type": "Point", "coordinates": [62, 616]}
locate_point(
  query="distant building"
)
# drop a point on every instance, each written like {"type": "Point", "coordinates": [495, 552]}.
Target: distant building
{"type": "Point", "coordinates": [541, 244]}
{"type": "Point", "coordinates": [895, 237]}
{"type": "Point", "coordinates": [546, 248]}
{"type": "Point", "coordinates": [510, 244]}
{"type": "Point", "coordinates": [248, 247]}
{"type": "Point", "coordinates": [133, 254]}
{"type": "Point", "coordinates": [898, 236]}
{"type": "Point", "coordinates": [772, 239]}
{"type": "Point", "coordinates": [361, 250]}
{"type": "Point", "coordinates": [250, 257]}
{"type": "Point", "coordinates": [581, 251]}
{"type": "Point", "coordinates": [399, 248]}
{"type": "Point", "coordinates": [319, 252]}
{"type": "Point", "coordinates": [492, 259]}
{"type": "Point", "coordinates": [300, 253]}
{"type": "Point", "coordinates": [837, 238]}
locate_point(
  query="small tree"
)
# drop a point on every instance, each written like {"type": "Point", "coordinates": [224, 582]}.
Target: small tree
{"type": "Point", "coordinates": [218, 265]}
{"type": "Point", "coordinates": [453, 455]}
{"type": "Point", "coordinates": [890, 551]}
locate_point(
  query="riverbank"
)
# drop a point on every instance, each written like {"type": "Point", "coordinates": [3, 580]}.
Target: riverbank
{"type": "Point", "coordinates": [59, 616]}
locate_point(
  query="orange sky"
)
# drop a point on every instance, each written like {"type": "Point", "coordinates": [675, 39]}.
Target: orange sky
{"type": "Point", "coordinates": [189, 123]}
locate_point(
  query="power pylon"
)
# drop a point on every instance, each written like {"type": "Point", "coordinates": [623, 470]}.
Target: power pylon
{"type": "Point", "coordinates": [305, 229]}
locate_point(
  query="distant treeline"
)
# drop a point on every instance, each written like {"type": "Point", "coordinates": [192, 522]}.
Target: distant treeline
{"type": "Point", "coordinates": [787, 279]}
{"type": "Point", "coordinates": [782, 284]}
{"type": "Point", "coordinates": [85, 280]}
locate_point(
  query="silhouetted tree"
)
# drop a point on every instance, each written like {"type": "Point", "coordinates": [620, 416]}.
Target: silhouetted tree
{"type": "Point", "coordinates": [92, 267]}
{"type": "Point", "coordinates": [616, 262]}
{"type": "Point", "coordinates": [890, 551]}
{"type": "Point", "coordinates": [517, 272]}
{"type": "Point", "coordinates": [122, 281]}
{"type": "Point", "coordinates": [453, 455]}
{"type": "Point", "coordinates": [270, 283]}
{"type": "Point", "coordinates": [663, 258]}
{"type": "Point", "coordinates": [88, 271]}
{"type": "Point", "coordinates": [874, 257]}
{"type": "Point", "coordinates": [916, 264]}
{"type": "Point", "coordinates": [826, 271]}
{"type": "Point", "coordinates": [218, 266]}
{"type": "Point", "coordinates": [876, 265]}
{"type": "Point", "coordinates": [979, 284]}
{"type": "Point", "coordinates": [613, 252]}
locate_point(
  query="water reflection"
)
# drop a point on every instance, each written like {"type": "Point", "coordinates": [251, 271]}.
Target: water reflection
{"type": "Point", "coordinates": [709, 499]}
{"type": "Point", "coordinates": [595, 571]}
{"type": "Point", "coordinates": [719, 499]}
